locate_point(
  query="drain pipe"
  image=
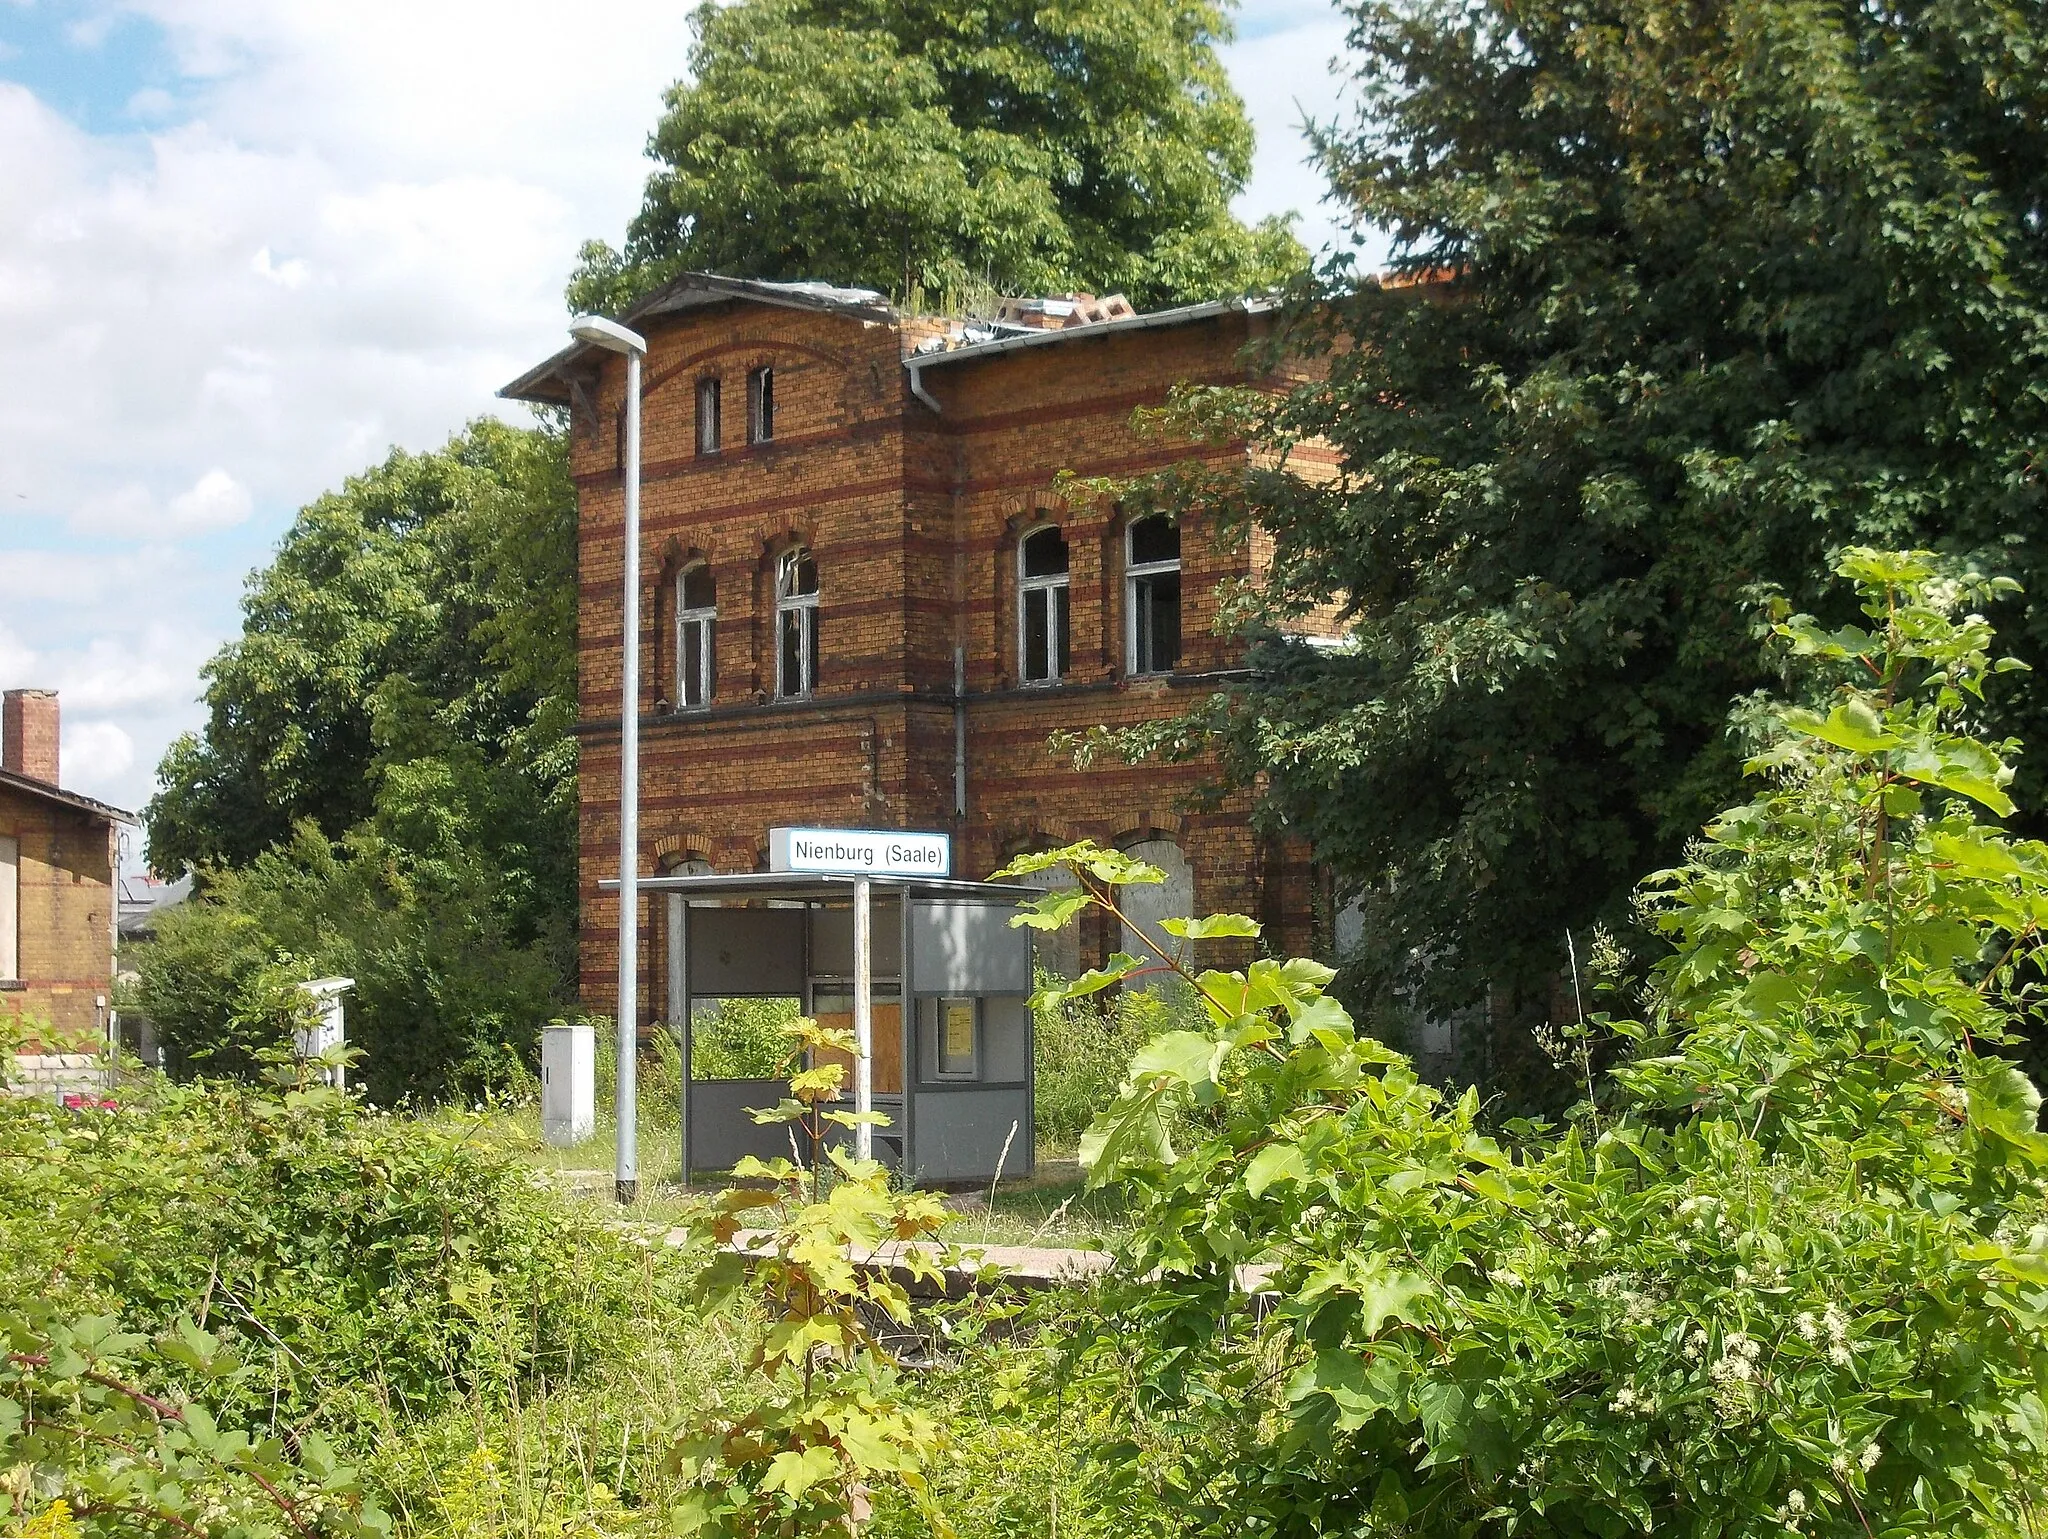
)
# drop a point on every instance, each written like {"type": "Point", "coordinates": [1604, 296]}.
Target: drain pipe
{"type": "Point", "coordinates": [960, 733]}
{"type": "Point", "coordinates": [915, 366]}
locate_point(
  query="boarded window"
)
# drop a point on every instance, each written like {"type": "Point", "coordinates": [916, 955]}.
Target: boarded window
{"type": "Point", "coordinates": [10, 907]}
{"type": "Point", "coordinates": [1145, 904]}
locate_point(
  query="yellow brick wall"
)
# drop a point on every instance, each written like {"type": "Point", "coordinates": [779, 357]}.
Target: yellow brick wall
{"type": "Point", "coordinates": [66, 912]}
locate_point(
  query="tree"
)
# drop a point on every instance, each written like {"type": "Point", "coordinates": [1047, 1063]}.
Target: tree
{"type": "Point", "coordinates": [898, 143]}
{"type": "Point", "coordinates": [386, 786]}
{"type": "Point", "coordinates": [1785, 1273]}
{"type": "Point", "coordinates": [1684, 297]}
{"type": "Point", "coordinates": [407, 658]}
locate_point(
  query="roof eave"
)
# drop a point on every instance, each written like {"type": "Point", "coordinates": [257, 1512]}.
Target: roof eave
{"type": "Point", "coordinates": [34, 787]}
{"type": "Point", "coordinates": [546, 383]}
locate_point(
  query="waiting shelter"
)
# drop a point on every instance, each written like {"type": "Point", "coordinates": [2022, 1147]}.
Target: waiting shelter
{"type": "Point", "coordinates": [927, 972]}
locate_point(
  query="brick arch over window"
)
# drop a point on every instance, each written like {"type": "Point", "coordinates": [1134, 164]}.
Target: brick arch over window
{"type": "Point", "coordinates": [1149, 824]}
{"type": "Point", "coordinates": [751, 351]}
{"type": "Point", "coordinates": [680, 846]}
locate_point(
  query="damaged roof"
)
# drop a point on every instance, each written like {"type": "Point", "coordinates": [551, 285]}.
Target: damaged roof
{"type": "Point", "coordinates": [575, 365]}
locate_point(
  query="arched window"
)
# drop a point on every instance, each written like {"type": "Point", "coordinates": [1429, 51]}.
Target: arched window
{"type": "Point", "coordinates": [696, 636]}
{"type": "Point", "coordinates": [1152, 595]}
{"type": "Point", "coordinates": [796, 624]}
{"type": "Point", "coordinates": [1042, 628]}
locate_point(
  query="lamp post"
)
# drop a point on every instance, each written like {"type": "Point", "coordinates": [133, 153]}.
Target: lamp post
{"type": "Point", "coordinates": [613, 337]}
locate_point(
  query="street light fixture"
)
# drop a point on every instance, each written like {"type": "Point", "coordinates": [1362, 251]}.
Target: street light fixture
{"type": "Point", "coordinates": [613, 337]}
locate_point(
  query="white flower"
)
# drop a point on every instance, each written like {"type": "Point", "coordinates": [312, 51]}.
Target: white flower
{"type": "Point", "coordinates": [1870, 1457]}
{"type": "Point", "coordinates": [1807, 1326]}
{"type": "Point", "coordinates": [1840, 1355]}
{"type": "Point", "coordinates": [1507, 1278]}
{"type": "Point", "coordinates": [1836, 1323]}
{"type": "Point", "coordinates": [1795, 1501]}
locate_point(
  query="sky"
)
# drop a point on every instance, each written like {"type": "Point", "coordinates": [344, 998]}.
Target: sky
{"type": "Point", "coordinates": [247, 246]}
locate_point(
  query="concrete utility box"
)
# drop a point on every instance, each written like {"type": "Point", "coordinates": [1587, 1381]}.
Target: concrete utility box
{"type": "Point", "coordinates": [568, 1084]}
{"type": "Point", "coordinates": [329, 1032]}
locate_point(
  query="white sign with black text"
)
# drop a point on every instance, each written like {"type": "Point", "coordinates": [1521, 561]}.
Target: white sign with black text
{"type": "Point", "coordinates": [859, 852]}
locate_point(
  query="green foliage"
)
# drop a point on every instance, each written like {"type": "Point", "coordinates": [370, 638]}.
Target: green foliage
{"type": "Point", "coordinates": [1700, 293]}
{"type": "Point", "coordinates": [899, 145]}
{"type": "Point", "coordinates": [1788, 1274]}
{"type": "Point", "coordinates": [829, 1422]}
{"type": "Point", "coordinates": [445, 1001]}
{"type": "Point", "coordinates": [742, 1038]}
{"type": "Point", "coordinates": [91, 1443]}
{"type": "Point", "coordinates": [361, 1267]}
{"type": "Point", "coordinates": [386, 784]}
{"type": "Point", "coordinates": [1083, 1047]}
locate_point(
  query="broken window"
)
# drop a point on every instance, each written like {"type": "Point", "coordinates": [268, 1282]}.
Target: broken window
{"type": "Point", "coordinates": [1042, 606]}
{"type": "Point", "coordinates": [761, 405]}
{"type": "Point", "coordinates": [796, 621]}
{"type": "Point", "coordinates": [707, 416]}
{"type": "Point", "coordinates": [696, 636]}
{"type": "Point", "coordinates": [1152, 593]}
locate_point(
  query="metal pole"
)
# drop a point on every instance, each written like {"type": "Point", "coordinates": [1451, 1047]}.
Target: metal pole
{"type": "Point", "coordinates": [627, 1107]}
{"type": "Point", "coordinates": [679, 1009]}
{"type": "Point", "coordinates": [863, 1020]}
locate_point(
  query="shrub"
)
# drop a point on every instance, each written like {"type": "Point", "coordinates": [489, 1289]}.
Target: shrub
{"type": "Point", "coordinates": [1084, 1045]}
{"type": "Point", "coordinates": [364, 1266]}
{"type": "Point", "coordinates": [1788, 1273]}
{"type": "Point", "coordinates": [444, 1003]}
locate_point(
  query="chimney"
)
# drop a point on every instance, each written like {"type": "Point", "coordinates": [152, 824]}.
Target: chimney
{"type": "Point", "coordinates": [28, 733]}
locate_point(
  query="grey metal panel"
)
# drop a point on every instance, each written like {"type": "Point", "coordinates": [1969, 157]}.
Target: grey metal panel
{"type": "Point", "coordinates": [1005, 1039]}
{"type": "Point", "coordinates": [746, 951]}
{"type": "Point", "coordinates": [961, 1130]}
{"type": "Point", "coordinates": [832, 941]}
{"type": "Point", "coordinates": [720, 1129]}
{"type": "Point", "coordinates": [968, 948]}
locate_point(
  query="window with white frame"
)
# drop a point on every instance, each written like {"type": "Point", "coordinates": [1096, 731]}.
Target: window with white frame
{"type": "Point", "coordinates": [696, 636]}
{"type": "Point", "coordinates": [761, 405]}
{"type": "Point", "coordinates": [1152, 595]}
{"type": "Point", "coordinates": [10, 907]}
{"type": "Point", "coordinates": [1042, 623]}
{"type": "Point", "coordinates": [708, 426]}
{"type": "Point", "coordinates": [796, 624]}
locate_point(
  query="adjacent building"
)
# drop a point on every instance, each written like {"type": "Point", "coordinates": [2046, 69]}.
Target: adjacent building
{"type": "Point", "coordinates": [58, 856]}
{"type": "Point", "coordinates": [869, 599]}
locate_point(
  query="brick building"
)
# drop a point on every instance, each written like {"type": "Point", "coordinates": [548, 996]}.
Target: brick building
{"type": "Point", "coordinates": [866, 603]}
{"type": "Point", "coordinates": [57, 895]}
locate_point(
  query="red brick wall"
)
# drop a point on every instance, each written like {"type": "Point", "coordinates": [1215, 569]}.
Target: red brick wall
{"type": "Point", "coordinates": [914, 521]}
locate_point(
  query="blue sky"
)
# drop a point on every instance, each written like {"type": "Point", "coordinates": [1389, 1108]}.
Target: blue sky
{"type": "Point", "coordinates": [248, 245]}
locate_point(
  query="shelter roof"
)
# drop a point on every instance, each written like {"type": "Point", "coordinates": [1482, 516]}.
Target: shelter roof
{"type": "Point", "coordinates": [798, 885]}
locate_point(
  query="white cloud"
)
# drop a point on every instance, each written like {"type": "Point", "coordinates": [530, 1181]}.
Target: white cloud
{"type": "Point", "coordinates": [94, 753]}
{"type": "Point", "coordinates": [335, 225]}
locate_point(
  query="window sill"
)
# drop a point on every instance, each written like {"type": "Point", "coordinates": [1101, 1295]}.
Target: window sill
{"type": "Point", "coordinates": [13, 985]}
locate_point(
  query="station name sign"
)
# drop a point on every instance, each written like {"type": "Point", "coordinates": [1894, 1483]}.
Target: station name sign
{"type": "Point", "coordinates": [859, 852]}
